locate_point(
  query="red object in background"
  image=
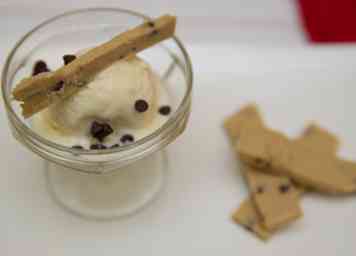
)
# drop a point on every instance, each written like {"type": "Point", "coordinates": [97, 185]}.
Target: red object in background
{"type": "Point", "coordinates": [329, 21]}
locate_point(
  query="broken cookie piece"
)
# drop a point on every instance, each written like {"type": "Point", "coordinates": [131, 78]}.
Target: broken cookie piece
{"type": "Point", "coordinates": [275, 209]}
{"type": "Point", "coordinates": [319, 138]}
{"type": "Point", "coordinates": [348, 168]}
{"type": "Point", "coordinates": [234, 123]}
{"type": "Point", "coordinates": [310, 167]}
{"type": "Point", "coordinates": [247, 217]}
{"type": "Point", "coordinates": [276, 199]}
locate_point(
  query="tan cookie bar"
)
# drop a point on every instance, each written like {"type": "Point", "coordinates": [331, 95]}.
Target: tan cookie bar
{"type": "Point", "coordinates": [246, 216]}
{"type": "Point", "coordinates": [43, 89]}
{"type": "Point", "coordinates": [311, 167]}
{"type": "Point", "coordinates": [234, 124]}
{"type": "Point", "coordinates": [40, 101]}
{"type": "Point", "coordinates": [275, 198]}
{"type": "Point", "coordinates": [319, 138]}
{"type": "Point", "coordinates": [348, 168]}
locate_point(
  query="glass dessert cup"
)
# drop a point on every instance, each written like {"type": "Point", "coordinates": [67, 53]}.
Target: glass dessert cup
{"type": "Point", "coordinates": [100, 184]}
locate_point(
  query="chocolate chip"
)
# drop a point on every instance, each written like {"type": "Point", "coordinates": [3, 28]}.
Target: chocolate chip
{"type": "Point", "coordinates": [141, 106]}
{"type": "Point", "coordinates": [164, 110]}
{"type": "Point", "coordinates": [98, 146]}
{"type": "Point", "coordinates": [58, 86]}
{"type": "Point", "coordinates": [308, 131]}
{"type": "Point", "coordinates": [259, 161]}
{"type": "Point", "coordinates": [249, 225]}
{"type": "Point", "coordinates": [154, 32]}
{"type": "Point", "coordinates": [248, 228]}
{"type": "Point", "coordinates": [115, 146]}
{"type": "Point", "coordinates": [262, 164]}
{"type": "Point", "coordinates": [100, 130]}
{"type": "Point", "coordinates": [68, 58]}
{"type": "Point", "coordinates": [151, 24]}
{"type": "Point", "coordinates": [134, 49]}
{"type": "Point", "coordinates": [283, 188]}
{"type": "Point", "coordinates": [260, 190]}
{"type": "Point", "coordinates": [77, 147]}
{"type": "Point", "coordinates": [40, 67]}
{"type": "Point", "coordinates": [127, 138]}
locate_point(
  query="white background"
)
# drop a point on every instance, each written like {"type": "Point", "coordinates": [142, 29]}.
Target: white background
{"type": "Point", "coordinates": [242, 51]}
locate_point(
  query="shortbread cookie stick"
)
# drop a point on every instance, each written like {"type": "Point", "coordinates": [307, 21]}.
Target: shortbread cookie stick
{"type": "Point", "coordinates": [311, 168]}
{"type": "Point", "coordinates": [318, 138]}
{"type": "Point", "coordinates": [80, 71]}
{"type": "Point", "coordinates": [246, 216]}
{"type": "Point", "coordinates": [348, 168]}
{"type": "Point", "coordinates": [324, 141]}
{"type": "Point", "coordinates": [40, 101]}
{"type": "Point", "coordinates": [234, 123]}
{"type": "Point", "coordinates": [275, 197]}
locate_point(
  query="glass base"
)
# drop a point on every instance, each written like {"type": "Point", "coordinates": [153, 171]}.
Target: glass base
{"type": "Point", "coordinates": [108, 196]}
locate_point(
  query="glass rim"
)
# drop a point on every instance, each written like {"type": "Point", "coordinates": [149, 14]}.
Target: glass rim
{"type": "Point", "coordinates": [152, 136]}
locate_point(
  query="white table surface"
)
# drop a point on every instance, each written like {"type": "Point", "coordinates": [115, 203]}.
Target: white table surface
{"type": "Point", "coordinates": [258, 55]}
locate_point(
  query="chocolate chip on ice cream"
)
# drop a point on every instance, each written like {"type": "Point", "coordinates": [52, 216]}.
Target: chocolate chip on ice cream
{"type": "Point", "coordinates": [141, 106]}
{"type": "Point", "coordinates": [40, 67]}
{"type": "Point", "coordinates": [68, 58]}
{"type": "Point", "coordinates": [100, 130]}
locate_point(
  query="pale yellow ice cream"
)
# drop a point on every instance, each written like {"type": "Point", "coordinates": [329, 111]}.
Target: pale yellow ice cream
{"type": "Point", "coordinates": [110, 97]}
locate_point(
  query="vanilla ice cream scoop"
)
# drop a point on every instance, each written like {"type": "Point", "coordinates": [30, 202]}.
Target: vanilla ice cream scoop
{"type": "Point", "coordinates": [120, 104]}
{"type": "Point", "coordinates": [123, 94]}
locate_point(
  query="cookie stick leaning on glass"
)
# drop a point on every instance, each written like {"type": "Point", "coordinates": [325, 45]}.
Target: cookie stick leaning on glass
{"type": "Point", "coordinates": [44, 89]}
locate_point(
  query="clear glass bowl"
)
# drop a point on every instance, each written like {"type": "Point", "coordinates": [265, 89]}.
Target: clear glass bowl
{"type": "Point", "coordinates": [107, 183]}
